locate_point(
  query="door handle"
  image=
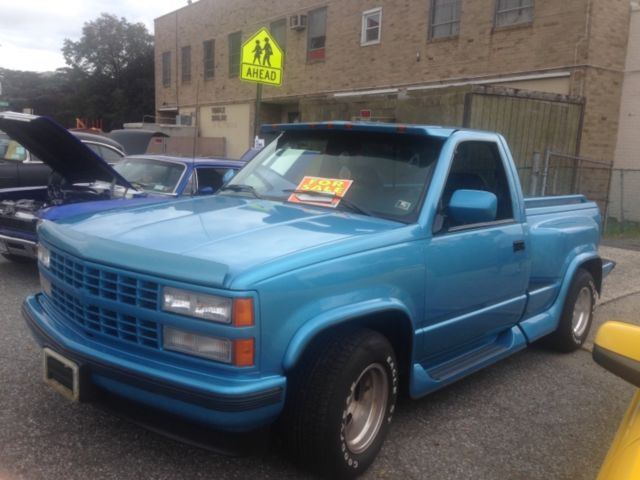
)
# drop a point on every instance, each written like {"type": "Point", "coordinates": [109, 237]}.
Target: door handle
{"type": "Point", "coordinates": [518, 246]}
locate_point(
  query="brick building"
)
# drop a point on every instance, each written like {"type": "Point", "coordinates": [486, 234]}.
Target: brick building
{"type": "Point", "coordinates": [390, 57]}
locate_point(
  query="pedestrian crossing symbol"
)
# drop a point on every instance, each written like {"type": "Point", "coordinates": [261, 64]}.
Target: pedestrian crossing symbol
{"type": "Point", "coordinates": [262, 59]}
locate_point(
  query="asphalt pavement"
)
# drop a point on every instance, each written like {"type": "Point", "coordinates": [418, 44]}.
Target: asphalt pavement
{"type": "Point", "coordinates": [537, 415]}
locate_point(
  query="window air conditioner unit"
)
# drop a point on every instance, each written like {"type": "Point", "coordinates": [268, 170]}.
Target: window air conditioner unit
{"type": "Point", "coordinates": [298, 22]}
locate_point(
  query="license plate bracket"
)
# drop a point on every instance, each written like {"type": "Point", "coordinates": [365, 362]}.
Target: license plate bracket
{"type": "Point", "coordinates": [62, 374]}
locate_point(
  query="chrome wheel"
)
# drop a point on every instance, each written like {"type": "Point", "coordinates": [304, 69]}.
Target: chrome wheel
{"type": "Point", "coordinates": [366, 408]}
{"type": "Point", "coordinates": [581, 312]}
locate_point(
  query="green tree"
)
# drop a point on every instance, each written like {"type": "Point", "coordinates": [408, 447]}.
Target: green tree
{"type": "Point", "coordinates": [112, 69]}
{"type": "Point", "coordinates": [49, 93]}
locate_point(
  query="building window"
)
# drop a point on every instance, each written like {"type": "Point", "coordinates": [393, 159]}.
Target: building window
{"type": "Point", "coordinates": [317, 34]}
{"type": "Point", "coordinates": [445, 18]}
{"type": "Point", "coordinates": [513, 12]}
{"type": "Point", "coordinates": [208, 55]}
{"type": "Point", "coordinates": [279, 32]}
{"type": "Point", "coordinates": [371, 27]}
{"type": "Point", "coordinates": [235, 52]}
{"type": "Point", "coordinates": [185, 59]}
{"type": "Point", "coordinates": [166, 69]}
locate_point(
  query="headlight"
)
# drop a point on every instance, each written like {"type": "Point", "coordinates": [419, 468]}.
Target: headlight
{"type": "Point", "coordinates": [44, 255]}
{"type": "Point", "coordinates": [199, 305]}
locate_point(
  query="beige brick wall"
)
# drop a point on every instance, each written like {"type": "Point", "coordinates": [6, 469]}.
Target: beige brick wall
{"type": "Point", "coordinates": [603, 76]}
{"type": "Point", "coordinates": [477, 51]}
{"type": "Point", "coordinates": [584, 37]}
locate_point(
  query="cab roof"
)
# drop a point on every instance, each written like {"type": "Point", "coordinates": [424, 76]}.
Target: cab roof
{"type": "Point", "coordinates": [426, 130]}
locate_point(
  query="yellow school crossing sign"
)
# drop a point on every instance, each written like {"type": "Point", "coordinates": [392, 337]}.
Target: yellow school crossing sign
{"type": "Point", "coordinates": [262, 59]}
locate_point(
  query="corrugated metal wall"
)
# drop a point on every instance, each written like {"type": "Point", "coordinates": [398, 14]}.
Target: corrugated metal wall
{"type": "Point", "coordinates": [530, 123]}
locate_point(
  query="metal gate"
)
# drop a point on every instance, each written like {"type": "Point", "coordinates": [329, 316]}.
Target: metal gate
{"type": "Point", "coordinates": [530, 121]}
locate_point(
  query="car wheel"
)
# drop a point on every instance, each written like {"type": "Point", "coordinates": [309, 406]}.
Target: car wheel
{"type": "Point", "coordinates": [341, 404]}
{"type": "Point", "coordinates": [577, 314]}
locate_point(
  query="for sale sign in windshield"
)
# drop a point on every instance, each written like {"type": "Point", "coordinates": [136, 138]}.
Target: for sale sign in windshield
{"type": "Point", "coordinates": [324, 192]}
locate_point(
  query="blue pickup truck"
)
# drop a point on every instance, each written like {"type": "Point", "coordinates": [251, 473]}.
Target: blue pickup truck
{"type": "Point", "coordinates": [344, 264]}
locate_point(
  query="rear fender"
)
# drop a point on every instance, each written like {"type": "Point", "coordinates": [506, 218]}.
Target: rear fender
{"type": "Point", "coordinates": [546, 322]}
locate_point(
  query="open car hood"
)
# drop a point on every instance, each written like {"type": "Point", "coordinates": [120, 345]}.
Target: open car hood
{"type": "Point", "coordinates": [58, 148]}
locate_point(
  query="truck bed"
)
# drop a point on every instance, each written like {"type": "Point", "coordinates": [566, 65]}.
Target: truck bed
{"type": "Point", "coordinates": [537, 205]}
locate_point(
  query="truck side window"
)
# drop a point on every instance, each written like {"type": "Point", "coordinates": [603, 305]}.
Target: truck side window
{"type": "Point", "coordinates": [476, 166]}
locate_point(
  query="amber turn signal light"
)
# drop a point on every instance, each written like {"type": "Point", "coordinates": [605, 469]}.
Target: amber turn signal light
{"type": "Point", "coordinates": [244, 352]}
{"type": "Point", "coordinates": [243, 312]}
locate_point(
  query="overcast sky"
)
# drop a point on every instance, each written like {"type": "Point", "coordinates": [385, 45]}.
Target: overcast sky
{"type": "Point", "coordinates": [32, 31]}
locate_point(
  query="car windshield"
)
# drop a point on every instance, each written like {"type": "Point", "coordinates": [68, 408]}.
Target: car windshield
{"type": "Point", "coordinates": [151, 175]}
{"type": "Point", "coordinates": [379, 174]}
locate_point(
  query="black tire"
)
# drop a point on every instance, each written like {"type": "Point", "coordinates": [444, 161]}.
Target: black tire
{"type": "Point", "coordinates": [18, 259]}
{"type": "Point", "coordinates": [325, 396]}
{"type": "Point", "coordinates": [581, 300]}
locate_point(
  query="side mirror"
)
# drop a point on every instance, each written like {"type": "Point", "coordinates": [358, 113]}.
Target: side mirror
{"type": "Point", "coordinates": [228, 175]}
{"type": "Point", "coordinates": [467, 207]}
{"type": "Point", "coordinates": [617, 348]}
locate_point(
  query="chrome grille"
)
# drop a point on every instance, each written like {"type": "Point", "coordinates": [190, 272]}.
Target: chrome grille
{"type": "Point", "coordinates": [109, 284]}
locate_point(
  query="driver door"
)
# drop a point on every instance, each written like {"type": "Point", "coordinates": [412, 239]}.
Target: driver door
{"type": "Point", "coordinates": [477, 274]}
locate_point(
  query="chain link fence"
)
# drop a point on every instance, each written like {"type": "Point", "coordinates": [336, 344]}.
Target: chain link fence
{"type": "Point", "coordinates": [623, 214]}
{"type": "Point", "coordinates": [615, 191]}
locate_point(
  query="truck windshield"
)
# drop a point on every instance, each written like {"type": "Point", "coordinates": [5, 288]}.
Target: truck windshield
{"type": "Point", "coordinates": [379, 174]}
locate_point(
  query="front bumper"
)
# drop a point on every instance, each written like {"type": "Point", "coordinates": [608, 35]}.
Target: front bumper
{"type": "Point", "coordinates": [228, 404]}
{"type": "Point", "coordinates": [18, 246]}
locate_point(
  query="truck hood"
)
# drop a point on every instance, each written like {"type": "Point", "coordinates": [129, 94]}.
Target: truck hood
{"type": "Point", "coordinates": [55, 146]}
{"type": "Point", "coordinates": [213, 240]}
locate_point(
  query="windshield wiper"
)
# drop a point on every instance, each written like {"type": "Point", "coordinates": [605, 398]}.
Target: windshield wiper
{"type": "Point", "coordinates": [239, 187]}
{"type": "Point", "coordinates": [329, 196]}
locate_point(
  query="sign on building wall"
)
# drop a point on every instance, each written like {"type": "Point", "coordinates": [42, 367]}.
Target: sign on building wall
{"type": "Point", "coordinates": [218, 114]}
{"type": "Point", "coordinates": [262, 59]}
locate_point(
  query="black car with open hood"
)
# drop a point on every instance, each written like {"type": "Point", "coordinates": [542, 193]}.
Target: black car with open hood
{"type": "Point", "coordinates": [78, 175]}
{"type": "Point", "coordinates": [59, 149]}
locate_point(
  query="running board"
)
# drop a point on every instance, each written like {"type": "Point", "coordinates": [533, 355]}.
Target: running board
{"type": "Point", "coordinates": [466, 361]}
{"type": "Point", "coordinates": [427, 380]}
